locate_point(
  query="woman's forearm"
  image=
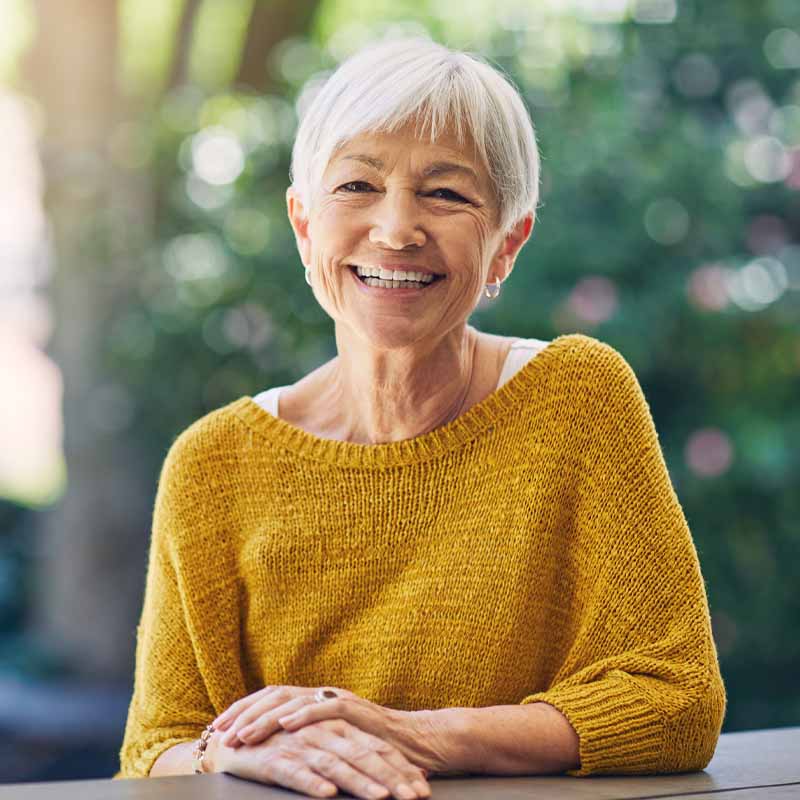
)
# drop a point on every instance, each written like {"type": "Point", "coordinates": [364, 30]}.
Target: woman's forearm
{"type": "Point", "coordinates": [175, 760]}
{"type": "Point", "coordinates": [532, 739]}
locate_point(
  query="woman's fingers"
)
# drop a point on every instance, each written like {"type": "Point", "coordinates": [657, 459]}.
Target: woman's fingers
{"type": "Point", "coordinates": [371, 761]}
{"type": "Point", "coordinates": [233, 710]}
{"type": "Point", "coordinates": [325, 756]}
{"type": "Point", "coordinates": [290, 771]}
{"type": "Point", "coordinates": [230, 715]}
{"type": "Point", "coordinates": [264, 715]}
{"type": "Point", "coordinates": [255, 705]}
{"type": "Point", "coordinates": [261, 721]}
{"type": "Point", "coordinates": [339, 772]}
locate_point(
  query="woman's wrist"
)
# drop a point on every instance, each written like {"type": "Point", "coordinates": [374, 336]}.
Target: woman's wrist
{"type": "Point", "coordinates": [446, 729]}
{"type": "Point", "coordinates": [216, 754]}
{"type": "Point", "coordinates": [205, 752]}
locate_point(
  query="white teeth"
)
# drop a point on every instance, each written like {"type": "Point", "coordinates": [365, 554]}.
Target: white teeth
{"type": "Point", "coordinates": [395, 284]}
{"type": "Point", "coordinates": [394, 275]}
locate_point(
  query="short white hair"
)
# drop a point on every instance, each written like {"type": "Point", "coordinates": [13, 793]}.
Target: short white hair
{"type": "Point", "coordinates": [387, 84]}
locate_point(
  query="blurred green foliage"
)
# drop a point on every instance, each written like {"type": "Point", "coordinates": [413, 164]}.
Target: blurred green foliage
{"type": "Point", "coordinates": [669, 228]}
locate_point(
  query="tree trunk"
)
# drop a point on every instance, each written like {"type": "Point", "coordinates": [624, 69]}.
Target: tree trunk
{"type": "Point", "coordinates": [88, 575]}
{"type": "Point", "coordinates": [272, 21]}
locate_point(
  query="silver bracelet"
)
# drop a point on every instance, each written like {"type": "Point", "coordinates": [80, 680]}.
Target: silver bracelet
{"type": "Point", "coordinates": [199, 752]}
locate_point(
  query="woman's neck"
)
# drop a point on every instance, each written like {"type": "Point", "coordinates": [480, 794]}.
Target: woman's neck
{"type": "Point", "coordinates": [372, 399]}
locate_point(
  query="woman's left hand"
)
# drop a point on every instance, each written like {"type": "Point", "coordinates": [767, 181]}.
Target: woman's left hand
{"type": "Point", "coordinates": [254, 718]}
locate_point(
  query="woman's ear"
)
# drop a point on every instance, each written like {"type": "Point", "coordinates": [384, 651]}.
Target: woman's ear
{"type": "Point", "coordinates": [298, 217]}
{"type": "Point", "coordinates": [509, 248]}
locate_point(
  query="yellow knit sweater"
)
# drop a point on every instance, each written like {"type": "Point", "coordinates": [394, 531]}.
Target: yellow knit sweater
{"type": "Point", "coordinates": [533, 549]}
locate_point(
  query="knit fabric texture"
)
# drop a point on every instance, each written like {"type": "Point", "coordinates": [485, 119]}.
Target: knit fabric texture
{"type": "Point", "coordinates": [533, 549]}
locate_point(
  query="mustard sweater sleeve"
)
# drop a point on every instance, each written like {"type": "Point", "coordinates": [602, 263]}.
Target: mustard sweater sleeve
{"type": "Point", "coordinates": [169, 703]}
{"type": "Point", "coordinates": [640, 682]}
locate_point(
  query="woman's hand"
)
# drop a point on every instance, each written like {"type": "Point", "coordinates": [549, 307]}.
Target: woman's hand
{"type": "Point", "coordinates": [321, 758]}
{"type": "Point", "coordinates": [256, 717]}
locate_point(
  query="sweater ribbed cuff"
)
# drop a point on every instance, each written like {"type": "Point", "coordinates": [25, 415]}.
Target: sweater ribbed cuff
{"type": "Point", "coordinates": [618, 731]}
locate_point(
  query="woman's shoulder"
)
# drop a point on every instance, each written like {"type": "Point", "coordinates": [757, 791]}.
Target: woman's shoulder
{"type": "Point", "coordinates": [611, 394]}
{"type": "Point", "coordinates": [205, 442]}
{"type": "Point", "coordinates": [579, 365]}
{"type": "Point", "coordinates": [573, 348]}
{"type": "Point", "coordinates": [601, 360]}
{"type": "Point", "coordinates": [580, 348]}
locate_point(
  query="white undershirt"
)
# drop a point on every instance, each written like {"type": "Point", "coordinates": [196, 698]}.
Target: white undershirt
{"type": "Point", "coordinates": [522, 350]}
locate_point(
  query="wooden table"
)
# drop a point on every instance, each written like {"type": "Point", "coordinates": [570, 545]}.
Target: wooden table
{"type": "Point", "coordinates": [764, 763]}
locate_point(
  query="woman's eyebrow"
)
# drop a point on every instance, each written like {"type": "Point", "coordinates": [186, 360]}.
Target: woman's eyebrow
{"type": "Point", "coordinates": [368, 160]}
{"type": "Point", "coordinates": [431, 171]}
{"type": "Point", "coordinates": [444, 167]}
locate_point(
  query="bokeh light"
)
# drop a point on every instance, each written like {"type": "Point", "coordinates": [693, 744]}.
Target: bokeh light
{"type": "Point", "coordinates": [217, 156]}
{"type": "Point", "coordinates": [696, 75]}
{"type": "Point", "coordinates": [709, 452]}
{"type": "Point", "coordinates": [750, 106]}
{"type": "Point", "coordinates": [766, 159]}
{"type": "Point", "coordinates": [655, 12]}
{"type": "Point", "coordinates": [666, 221]}
{"type": "Point", "coordinates": [758, 283]}
{"type": "Point", "coordinates": [782, 48]}
{"type": "Point", "coordinates": [593, 299]}
{"type": "Point", "coordinates": [707, 287]}
{"type": "Point", "coordinates": [247, 230]}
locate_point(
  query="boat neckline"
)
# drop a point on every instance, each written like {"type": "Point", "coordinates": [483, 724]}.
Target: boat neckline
{"type": "Point", "coordinates": [434, 443]}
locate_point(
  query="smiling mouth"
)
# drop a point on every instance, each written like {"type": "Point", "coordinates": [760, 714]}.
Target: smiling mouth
{"type": "Point", "coordinates": [362, 278]}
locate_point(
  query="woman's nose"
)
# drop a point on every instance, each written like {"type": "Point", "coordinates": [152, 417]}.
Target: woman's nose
{"type": "Point", "coordinates": [396, 224]}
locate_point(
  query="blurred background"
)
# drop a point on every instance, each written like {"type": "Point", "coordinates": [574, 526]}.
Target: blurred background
{"type": "Point", "coordinates": [148, 275]}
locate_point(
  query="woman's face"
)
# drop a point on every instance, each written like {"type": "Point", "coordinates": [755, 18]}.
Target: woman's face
{"type": "Point", "coordinates": [392, 201]}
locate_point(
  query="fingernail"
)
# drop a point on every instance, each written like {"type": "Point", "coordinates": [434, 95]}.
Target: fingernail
{"type": "Point", "coordinates": [421, 788]}
{"type": "Point", "coordinates": [373, 790]}
{"type": "Point", "coordinates": [406, 792]}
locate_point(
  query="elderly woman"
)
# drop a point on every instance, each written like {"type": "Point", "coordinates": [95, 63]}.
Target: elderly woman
{"type": "Point", "coordinates": [442, 551]}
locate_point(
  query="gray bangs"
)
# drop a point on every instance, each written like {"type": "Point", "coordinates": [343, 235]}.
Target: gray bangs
{"type": "Point", "coordinates": [387, 85]}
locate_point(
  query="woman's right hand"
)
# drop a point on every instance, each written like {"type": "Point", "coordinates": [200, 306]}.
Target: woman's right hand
{"type": "Point", "coordinates": [321, 758]}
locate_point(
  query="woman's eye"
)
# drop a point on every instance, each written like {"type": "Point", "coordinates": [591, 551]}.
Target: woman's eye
{"type": "Point", "coordinates": [451, 195]}
{"type": "Point", "coordinates": [357, 187]}
{"type": "Point", "coordinates": [346, 186]}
